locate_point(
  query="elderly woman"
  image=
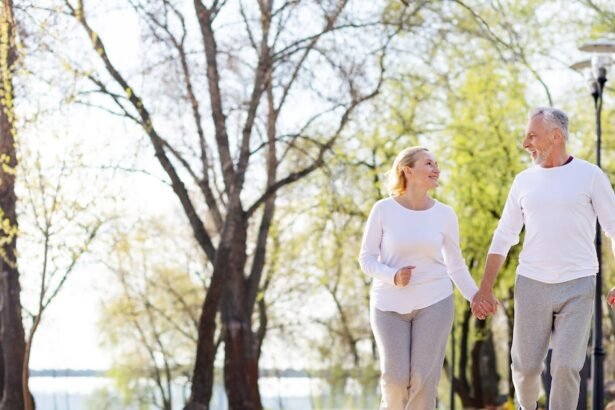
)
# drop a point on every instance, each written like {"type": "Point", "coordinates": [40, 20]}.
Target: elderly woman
{"type": "Point", "coordinates": [411, 248]}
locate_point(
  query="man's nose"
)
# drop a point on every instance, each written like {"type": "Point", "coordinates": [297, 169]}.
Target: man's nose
{"type": "Point", "coordinates": [525, 143]}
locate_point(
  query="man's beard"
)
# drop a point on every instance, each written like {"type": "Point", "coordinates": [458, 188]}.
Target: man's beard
{"type": "Point", "coordinates": [541, 157]}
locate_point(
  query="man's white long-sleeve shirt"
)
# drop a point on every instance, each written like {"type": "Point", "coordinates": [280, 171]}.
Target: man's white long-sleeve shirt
{"type": "Point", "coordinates": [429, 240]}
{"type": "Point", "coordinates": [558, 207]}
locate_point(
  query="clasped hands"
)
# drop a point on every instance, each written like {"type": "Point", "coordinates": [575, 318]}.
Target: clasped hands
{"type": "Point", "coordinates": [484, 303]}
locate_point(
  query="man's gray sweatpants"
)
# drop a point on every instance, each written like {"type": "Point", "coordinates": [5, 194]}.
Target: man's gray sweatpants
{"type": "Point", "coordinates": [559, 313]}
{"type": "Point", "coordinates": [412, 348]}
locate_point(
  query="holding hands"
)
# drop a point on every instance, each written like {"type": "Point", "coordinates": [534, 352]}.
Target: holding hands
{"type": "Point", "coordinates": [610, 298]}
{"type": "Point", "coordinates": [484, 303]}
{"type": "Point", "coordinates": [402, 276]}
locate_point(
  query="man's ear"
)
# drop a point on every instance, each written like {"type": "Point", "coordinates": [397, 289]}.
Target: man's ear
{"type": "Point", "coordinates": [558, 135]}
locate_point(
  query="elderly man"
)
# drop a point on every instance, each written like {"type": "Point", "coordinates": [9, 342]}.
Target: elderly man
{"type": "Point", "coordinates": [558, 200]}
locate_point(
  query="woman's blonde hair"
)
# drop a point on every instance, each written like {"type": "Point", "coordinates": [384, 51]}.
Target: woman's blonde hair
{"type": "Point", "coordinates": [396, 179]}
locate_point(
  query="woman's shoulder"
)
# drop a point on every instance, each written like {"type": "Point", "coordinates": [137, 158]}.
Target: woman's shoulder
{"type": "Point", "coordinates": [384, 202]}
{"type": "Point", "coordinates": [444, 207]}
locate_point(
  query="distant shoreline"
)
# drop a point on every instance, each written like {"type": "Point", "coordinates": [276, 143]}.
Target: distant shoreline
{"type": "Point", "coordinates": [67, 373]}
{"type": "Point", "coordinates": [104, 373]}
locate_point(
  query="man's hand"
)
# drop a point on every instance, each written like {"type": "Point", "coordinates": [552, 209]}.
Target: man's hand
{"type": "Point", "coordinates": [484, 303]}
{"type": "Point", "coordinates": [402, 276]}
{"type": "Point", "coordinates": [610, 298]}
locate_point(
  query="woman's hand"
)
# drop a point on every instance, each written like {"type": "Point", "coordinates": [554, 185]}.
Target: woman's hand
{"type": "Point", "coordinates": [610, 298]}
{"type": "Point", "coordinates": [484, 303]}
{"type": "Point", "coordinates": [402, 276]}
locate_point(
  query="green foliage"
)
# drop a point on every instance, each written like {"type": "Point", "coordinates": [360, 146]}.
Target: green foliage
{"type": "Point", "coordinates": [481, 154]}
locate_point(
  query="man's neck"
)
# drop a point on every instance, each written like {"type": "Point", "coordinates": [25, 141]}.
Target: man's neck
{"type": "Point", "coordinates": [557, 160]}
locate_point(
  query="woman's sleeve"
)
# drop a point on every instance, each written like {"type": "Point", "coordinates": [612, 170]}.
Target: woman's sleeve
{"type": "Point", "coordinates": [369, 257]}
{"type": "Point", "coordinates": [455, 264]}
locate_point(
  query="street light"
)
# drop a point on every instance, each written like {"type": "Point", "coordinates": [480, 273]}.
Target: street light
{"type": "Point", "coordinates": [600, 61]}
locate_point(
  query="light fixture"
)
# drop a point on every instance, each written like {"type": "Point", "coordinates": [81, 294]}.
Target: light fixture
{"type": "Point", "coordinates": [596, 70]}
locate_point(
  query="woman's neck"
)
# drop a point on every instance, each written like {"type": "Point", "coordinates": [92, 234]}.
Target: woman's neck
{"type": "Point", "coordinates": [415, 199]}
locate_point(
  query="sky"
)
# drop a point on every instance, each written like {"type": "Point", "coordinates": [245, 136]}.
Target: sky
{"type": "Point", "coordinates": [68, 336]}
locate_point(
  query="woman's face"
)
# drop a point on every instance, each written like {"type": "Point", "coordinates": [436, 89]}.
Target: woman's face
{"type": "Point", "coordinates": [425, 172]}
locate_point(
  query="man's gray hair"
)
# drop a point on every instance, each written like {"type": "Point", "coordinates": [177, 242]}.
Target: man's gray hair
{"type": "Point", "coordinates": [554, 116]}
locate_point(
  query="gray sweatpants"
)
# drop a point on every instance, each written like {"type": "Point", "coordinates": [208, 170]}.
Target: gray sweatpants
{"type": "Point", "coordinates": [559, 313]}
{"type": "Point", "coordinates": [412, 348]}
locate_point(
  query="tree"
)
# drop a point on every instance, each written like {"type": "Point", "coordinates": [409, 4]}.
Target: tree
{"type": "Point", "coordinates": [284, 65]}
{"type": "Point", "coordinates": [58, 224]}
{"type": "Point", "coordinates": [151, 322]}
{"type": "Point", "coordinates": [483, 157]}
{"type": "Point", "coordinates": [15, 393]}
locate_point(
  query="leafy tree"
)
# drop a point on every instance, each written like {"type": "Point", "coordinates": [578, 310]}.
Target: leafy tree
{"type": "Point", "coordinates": [151, 322]}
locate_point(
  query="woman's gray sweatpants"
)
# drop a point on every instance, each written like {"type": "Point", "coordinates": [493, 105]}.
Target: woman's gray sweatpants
{"type": "Point", "coordinates": [412, 348]}
{"type": "Point", "coordinates": [556, 312]}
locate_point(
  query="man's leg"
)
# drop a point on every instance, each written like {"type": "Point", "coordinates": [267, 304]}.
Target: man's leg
{"type": "Point", "coordinates": [573, 312]}
{"type": "Point", "coordinates": [430, 329]}
{"type": "Point", "coordinates": [531, 333]}
{"type": "Point", "coordinates": [392, 334]}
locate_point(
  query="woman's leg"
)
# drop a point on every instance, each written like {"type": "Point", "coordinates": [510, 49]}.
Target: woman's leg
{"type": "Point", "coordinates": [430, 329]}
{"type": "Point", "coordinates": [392, 333]}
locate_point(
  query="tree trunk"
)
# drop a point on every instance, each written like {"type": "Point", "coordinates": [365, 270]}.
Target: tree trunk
{"type": "Point", "coordinates": [203, 373]}
{"type": "Point", "coordinates": [484, 374]}
{"type": "Point", "coordinates": [232, 243]}
{"type": "Point", "coordinates": [241, 353]}
{"type": "Point", "coordinates": [12, 333]}
{"type": "Point", "coordinates": [462, 385]}
{"type": "Point", "coordinates": [1, 367]}
{"type": "Point", "coordinates": [13, 336]}
{"type": "Point", "coordinates": [483, 391]}
{"type": "Point", "coordinates": [510, 314]}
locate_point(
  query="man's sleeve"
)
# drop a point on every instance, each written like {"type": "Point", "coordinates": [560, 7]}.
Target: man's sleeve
{"type": "Point", "coordinates": [603, 201]}
{"type": "Point", "coordinates": [507, 233]}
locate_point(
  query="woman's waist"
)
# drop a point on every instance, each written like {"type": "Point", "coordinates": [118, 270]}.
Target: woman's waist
{"type": "Point", "coordinates": [417, 279]}
{"type": "Point", "coordinates": [410, 297]}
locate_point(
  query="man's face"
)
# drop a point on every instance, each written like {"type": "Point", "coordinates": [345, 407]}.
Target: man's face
{"type": "Point", "coordinates": [538, 141]}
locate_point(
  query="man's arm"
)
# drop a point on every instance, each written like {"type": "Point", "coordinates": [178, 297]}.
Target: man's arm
{"type": "Point", "coordinates": [603, 201]}
{"type": "Point", "coordinates": [505, 236]}
{"type": "Point", "coordinates": [484, 302]}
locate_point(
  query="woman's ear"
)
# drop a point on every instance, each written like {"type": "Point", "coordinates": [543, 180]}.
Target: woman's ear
{"type": "Point", "coordinates": [407, 171]}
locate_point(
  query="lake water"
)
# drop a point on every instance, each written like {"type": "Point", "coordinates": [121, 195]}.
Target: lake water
{"type": "Point", "coordinates": [293, 393]}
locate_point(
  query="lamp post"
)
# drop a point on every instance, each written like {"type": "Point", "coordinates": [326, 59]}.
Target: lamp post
{"type": "Point", "coordinates": [597, 76]}
{"type": "Point", "coordinates": [452, 392]}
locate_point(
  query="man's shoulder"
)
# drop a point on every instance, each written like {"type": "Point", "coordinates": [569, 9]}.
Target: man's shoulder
{"type": "Point", "coordinates": [585, 170]}
{"type": "Point", "coordinates": [526, 173]}
{"type": "Point", "coordinates": [582, 164]}
{"type": "Point", "coordinates": [577, 165]}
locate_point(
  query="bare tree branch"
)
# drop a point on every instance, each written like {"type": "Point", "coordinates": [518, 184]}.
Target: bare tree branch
{"type": "Point", "coordinates": [179, 188]}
